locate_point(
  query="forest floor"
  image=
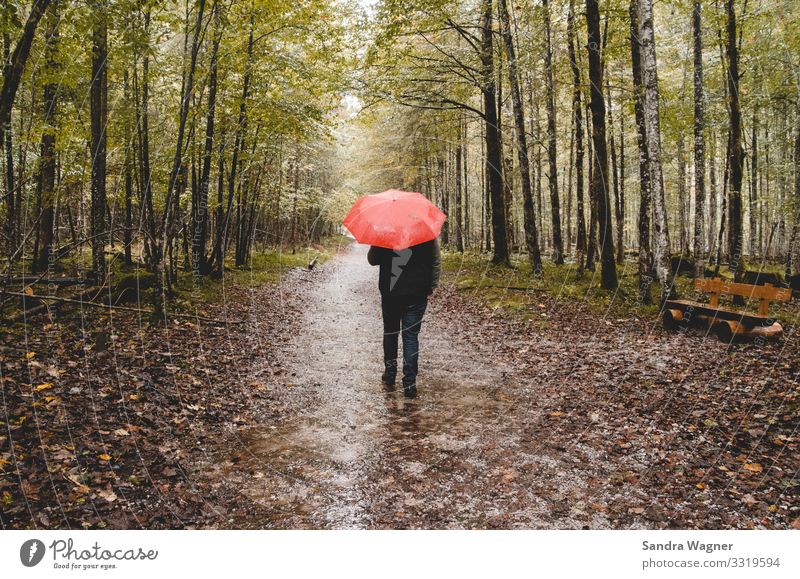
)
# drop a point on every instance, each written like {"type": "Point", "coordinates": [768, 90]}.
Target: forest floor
{"type": "Point", "coordinates": [541, 411]}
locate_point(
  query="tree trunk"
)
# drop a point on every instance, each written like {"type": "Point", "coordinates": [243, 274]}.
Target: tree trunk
{"type": "Point", "coordinates": [99, 120]}
{"type": "Point", "coordinates": [127, 235]}
{"type": "Point", "coordinates": [200, 263]}
{"type": "Point", "coordinates": [444, 171]}
{"type": "Point", "coordinates": [683, 217]}
{"type": "Point", "coordinates": [699, 141]}
{"type": "Point", "coordinates": [621, 219]}
{"type": "Point", "coordinates": [506, 171]}
{"type": "Point", "coordinates": [537, 161]}
{"type": "Point", "coordinates": [16, 66]}
{"type": "Point", "coordinates": [47, 161]}
{"type": "Point", "coordinates": [552, 160]}
{"type": "Point", "coordinates": [615, 175]}
{"type": "Point", "coordinates": [465, 198]}
{"type": "Point", "coordinates": [599, 183]}
{"type": "Point", "coordinates": [577, 112]}
{"type": "Point", "coordinates": [652, 120]}
{"type": "Point", "coordinates": [143, 134]}
{"type": "Point", "coordinates": [531, 233]}
{"type": "Point", "coordinates": [493, 160]}
{"type": "Point", "coordinates": [591, 234]}
{"type": "Point", "coordinates": [712, 196]}
{"type": "Point", "coordinates": [238, 144]}
{"type": "Point", "coordinates": [218, 260]}
{"type": "Point", "coordinates": [177, 179]}
{"type": "Point", "coordinates": [736, 152]}
{"type": "Point", "coordinates": [458, 231]}
{"type": "Point", "coordinates": [753, 200]}
{"type": "Point", "coordinates": [793, 253]}
{"type": "Point", "coordinates": [724, 207]}
{"type": "Point", "coordinates": [8, 147]}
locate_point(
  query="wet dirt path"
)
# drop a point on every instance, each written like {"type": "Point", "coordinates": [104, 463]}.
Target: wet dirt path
{"type": "Point", "coordinates": [348, 453]}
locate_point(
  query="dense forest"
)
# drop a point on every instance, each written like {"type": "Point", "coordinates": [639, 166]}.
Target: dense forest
{"type": "Point", "coordinates": [176, 137]}
{"type": "Point", "coordinates": [164, 136]}
{"type": "Point", "coordinates": [594, 130]}
{"type": "Point", "coordinates": [190, 339]}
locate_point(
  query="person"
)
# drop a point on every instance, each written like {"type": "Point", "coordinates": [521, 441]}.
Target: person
{"type": "Point", "coordinates": [407, 277]}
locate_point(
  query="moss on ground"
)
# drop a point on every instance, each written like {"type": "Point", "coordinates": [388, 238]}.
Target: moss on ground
{"type": "Point", "coordinates": [515, 290]}
{"type": "Point", "coordinates": [133, 285]}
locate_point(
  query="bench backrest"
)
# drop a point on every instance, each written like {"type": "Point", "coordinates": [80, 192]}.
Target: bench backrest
{"type": "Point", "coordinates": [765, 293]}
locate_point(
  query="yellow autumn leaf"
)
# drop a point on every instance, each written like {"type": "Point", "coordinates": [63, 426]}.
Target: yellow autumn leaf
{"type": "Point", "coordinates": [753, 467]}
{"type": "Point", "coordinates": [556, 414]}
{"type": "Point", "coordinates": [104, 456]}
{"type": "Point", "coordinates": [701, 486]}
{"type": "Point", "coordinates": [30, 355]}
{"type": "Point", "coordinates": [133, 397]}
{"type": "Point", "coordinates": [78, 483]}
{"type": "Point", "coordinates": [44, 386]}
{"type": "Point", "coordinates": [29, 291]}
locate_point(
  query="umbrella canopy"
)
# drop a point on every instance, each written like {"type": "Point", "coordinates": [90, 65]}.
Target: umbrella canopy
{"type": "Point", "coordinates": [394, 219]}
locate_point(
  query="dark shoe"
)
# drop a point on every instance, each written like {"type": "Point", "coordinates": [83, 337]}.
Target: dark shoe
{"type": "Point", "coordinates": [388, 378]}
{"type": "Point", "coordinates": [410, 390]}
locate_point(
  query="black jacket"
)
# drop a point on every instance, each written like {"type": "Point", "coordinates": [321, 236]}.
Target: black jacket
{"type": "Point", "coordinates": [408, 272]}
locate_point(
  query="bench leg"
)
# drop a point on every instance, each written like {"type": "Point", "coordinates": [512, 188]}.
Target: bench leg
{"type": "Point", "coordinates": [768, 332]}
{"type": "Point", "coordinates": [727, 331]}
{"type": "Point", "coordinates": [672, 318]}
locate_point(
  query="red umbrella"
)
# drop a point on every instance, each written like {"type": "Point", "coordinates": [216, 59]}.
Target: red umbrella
{"type": "Point", "coordinates": [394, 219]}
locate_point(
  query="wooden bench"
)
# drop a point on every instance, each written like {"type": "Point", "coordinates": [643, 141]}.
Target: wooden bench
{"type": "Point", "coordinates": [728, 323]}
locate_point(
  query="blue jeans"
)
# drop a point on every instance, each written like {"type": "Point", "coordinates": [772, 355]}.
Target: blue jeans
{"type": "Point", "coordinates": [405, 313]}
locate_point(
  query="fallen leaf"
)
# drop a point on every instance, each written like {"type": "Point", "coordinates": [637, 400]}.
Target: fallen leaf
{"type": "Point", "coordinates": [753, 467]}
{"type": "Point", "coordinates": [104, 456]}
{"type": "Point", "coordinates": [45, 386]}
{"type": "Point", "coordinates": [510, 475]}
{"type": "Point", "coordinates": [30, 355]}
{"type": "Point", "coordinates": [122, 432]}
{"type": "Point", "coordinates": [76, 481]}
{"type": "Point", "coordinates": [62, 454]}
{"type": "Point", "coordinates": [108, 495]}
